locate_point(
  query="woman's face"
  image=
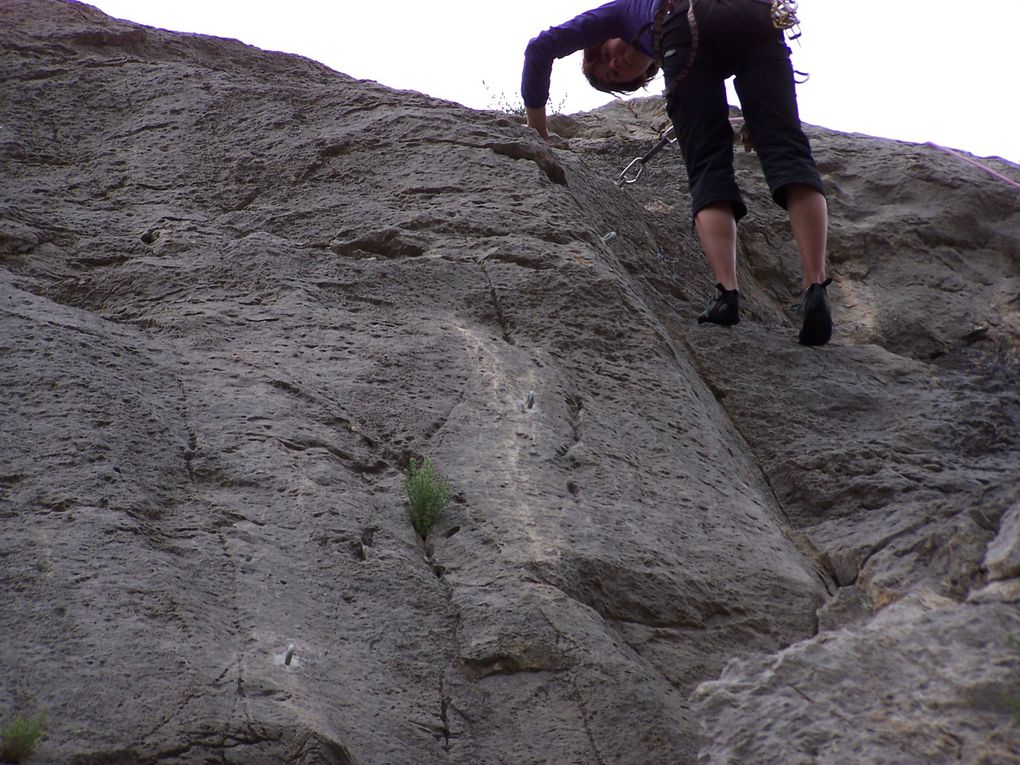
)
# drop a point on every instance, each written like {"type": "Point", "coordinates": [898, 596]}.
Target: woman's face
{"type": "Point", "coordinates": [620, 62]}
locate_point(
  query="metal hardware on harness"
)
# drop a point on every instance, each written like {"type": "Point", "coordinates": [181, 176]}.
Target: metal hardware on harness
{"type": "Point", "coordinates": [784, 16]}
{"type": "Point", "coordinates": [668, 137]}
{"type": "Point", "coordinates": [664, 11]}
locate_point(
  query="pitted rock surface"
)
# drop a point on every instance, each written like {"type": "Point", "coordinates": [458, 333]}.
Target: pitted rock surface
{"type": "Point", "coordinates": [240, 292]}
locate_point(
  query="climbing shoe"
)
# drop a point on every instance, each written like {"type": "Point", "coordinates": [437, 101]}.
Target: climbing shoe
{"type": "Point", "coordinates": [722, 309]}
{"type": "Point", "coordinates": [817, 326]}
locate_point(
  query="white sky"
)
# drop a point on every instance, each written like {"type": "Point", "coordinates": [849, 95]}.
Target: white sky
{"type": "Point", "coordinates": [916, 70]}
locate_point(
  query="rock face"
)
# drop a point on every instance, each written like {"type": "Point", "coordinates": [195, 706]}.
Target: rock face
{"type": "Point", "coordinates": [240, 292]}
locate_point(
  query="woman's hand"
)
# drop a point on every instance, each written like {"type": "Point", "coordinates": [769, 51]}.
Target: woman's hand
{"type": "Point", "coordinates": [536, 120]}
{"type": "Point", "coordinates": [745, 138]}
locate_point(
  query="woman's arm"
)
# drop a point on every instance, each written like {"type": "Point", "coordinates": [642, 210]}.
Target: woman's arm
{"type": "Point", "coordinates": [592, 27]}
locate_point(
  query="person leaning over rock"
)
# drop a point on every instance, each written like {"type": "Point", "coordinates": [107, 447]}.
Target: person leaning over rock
{"type": "Point", "coordinates": [624, 42]}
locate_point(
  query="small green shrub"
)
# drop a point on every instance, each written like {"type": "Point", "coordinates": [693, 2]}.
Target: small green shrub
{"type": "Point", "coordinates": [20, 737]}
{"type": "Point", "coordinates": [427, 493]}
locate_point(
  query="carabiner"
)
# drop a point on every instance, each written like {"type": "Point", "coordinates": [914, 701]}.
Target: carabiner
{"type": "Point", "coordinates": [622, 179]}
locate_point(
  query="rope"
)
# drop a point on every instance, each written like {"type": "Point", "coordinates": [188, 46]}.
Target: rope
{"type": "Point", "coordinates": [972, 161]}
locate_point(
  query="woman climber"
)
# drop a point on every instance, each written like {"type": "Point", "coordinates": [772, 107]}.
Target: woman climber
{"type": "Point", "coordinates": [699, 44]}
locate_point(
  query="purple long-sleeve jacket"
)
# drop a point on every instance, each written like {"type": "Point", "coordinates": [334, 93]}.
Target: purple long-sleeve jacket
{"type": "Point", "coordinates": [630, 20]}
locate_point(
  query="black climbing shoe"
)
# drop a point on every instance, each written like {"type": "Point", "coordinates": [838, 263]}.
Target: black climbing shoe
{"type": "Point", "coordinates": [817, 327]}
{"type": "Point", "coordinates": [723, 309]}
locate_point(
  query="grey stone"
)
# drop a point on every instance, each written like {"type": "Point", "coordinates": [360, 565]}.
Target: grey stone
{"type": "Point", "coordinates": [1002, 560]}
{"type": "Point", "coordinates": [927, 680]}
{"type": "Point", "coordinates": [239, 292]}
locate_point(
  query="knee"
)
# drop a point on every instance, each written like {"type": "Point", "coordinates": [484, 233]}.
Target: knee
{"type": "Point", "coordinates": [800, 194]}
{"type": "Point", "coordinates": [804, 193]}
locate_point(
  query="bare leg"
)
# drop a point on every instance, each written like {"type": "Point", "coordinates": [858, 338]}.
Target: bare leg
{"type": "Point", "coordinates": [717, 230]}
{"type": "Point", "coordinates": [809, 219]}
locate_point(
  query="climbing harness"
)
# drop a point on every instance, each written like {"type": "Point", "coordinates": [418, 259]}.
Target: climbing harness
{"type": "Point", "coordinates": [661, 15]}
{"type": "Point", "coordinates": [784, 18]}
{"type": "Point", "coordinates": [667, 137]}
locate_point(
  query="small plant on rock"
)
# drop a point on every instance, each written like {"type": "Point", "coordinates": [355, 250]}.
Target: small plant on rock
{"type": "Point", "coordinates": [501, 103]}
{"type": "Point", "coordinates": [427, 493]}
{"type": "Point", "coordinates": [20, 736]}
{"type": "Point", "coordinates": [514, 106]}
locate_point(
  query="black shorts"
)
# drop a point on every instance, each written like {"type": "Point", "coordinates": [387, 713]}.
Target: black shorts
{"type": "Point", "coordinates": [736, 39]}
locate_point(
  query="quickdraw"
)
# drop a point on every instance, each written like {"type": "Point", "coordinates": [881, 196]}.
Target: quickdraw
{"type": "Point", "coordinates": [784, 16]}
{"type": "Point", "coordinates": [666, 138]}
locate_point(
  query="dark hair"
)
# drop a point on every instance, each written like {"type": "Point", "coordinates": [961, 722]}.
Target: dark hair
{"type": "Point", "coordinates": [593, 54]}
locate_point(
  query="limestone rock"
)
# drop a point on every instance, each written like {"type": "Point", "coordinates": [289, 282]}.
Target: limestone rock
{"type": "Point", "coordinates": [240, 292]}
{"type": "Point", "coordinates": [1002, 560]}
{"type": "Point", "coordinates": [901, 689]}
